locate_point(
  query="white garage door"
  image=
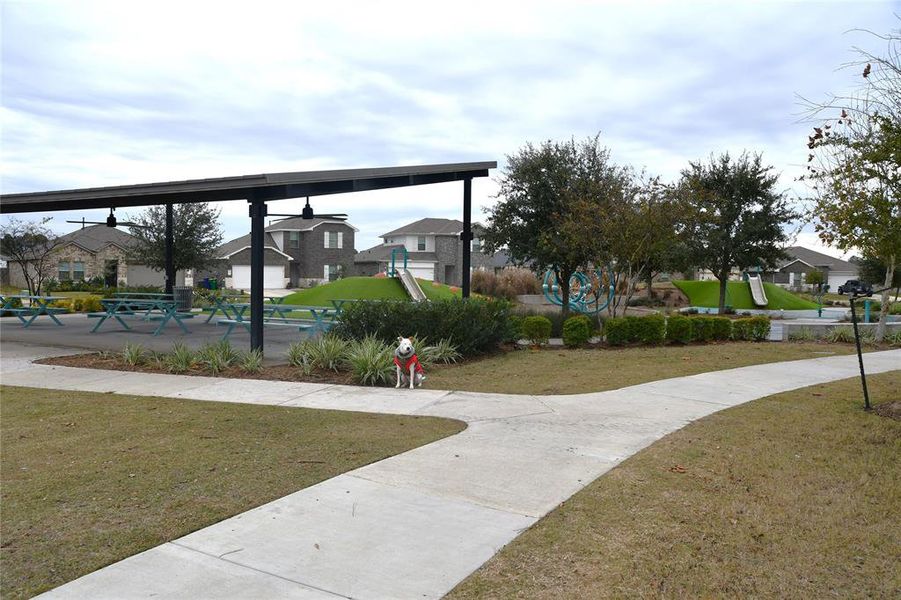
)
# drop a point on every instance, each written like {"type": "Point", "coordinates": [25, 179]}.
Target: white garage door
{"type": "Point", "coordinates": [422, 270]}
{"type": "Point", "coordinates": [273, 277]}
{"type": "Point", "coordinates": [837, 279]}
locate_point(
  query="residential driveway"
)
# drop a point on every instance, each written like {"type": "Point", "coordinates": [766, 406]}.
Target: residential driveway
{"type": "Point", "coordinates": [414, 525]}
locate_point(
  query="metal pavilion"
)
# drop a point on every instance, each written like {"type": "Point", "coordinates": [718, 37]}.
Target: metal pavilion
{"type": "Point", "coordinates": [256, 190]}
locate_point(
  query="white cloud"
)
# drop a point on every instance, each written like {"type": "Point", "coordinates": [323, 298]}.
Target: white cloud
{"type": "Point", "coordinates": [104, 93]}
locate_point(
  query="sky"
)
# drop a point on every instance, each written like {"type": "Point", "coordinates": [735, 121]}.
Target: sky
{"type": "Point", "coordinates": [113, 93]}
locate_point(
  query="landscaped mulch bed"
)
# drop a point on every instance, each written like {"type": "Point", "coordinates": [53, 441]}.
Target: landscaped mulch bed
{"type": "Point", "coordinates": [269, 372]}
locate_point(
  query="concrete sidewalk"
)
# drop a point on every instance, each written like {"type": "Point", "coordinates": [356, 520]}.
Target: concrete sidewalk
{"type": "Point", "coordinates": [414, 525]}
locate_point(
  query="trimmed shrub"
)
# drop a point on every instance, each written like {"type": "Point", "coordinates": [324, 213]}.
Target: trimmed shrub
{"type": "Point", "coordinates": [514, 328]}
{"type": "Point", "coordinates": [722, 328]}
{"type": "Point", "coordinates": [650, 329]}
{"type": "Point", "coordinates": [702, 328]}
{"type": "Point", "coordinates": [536, 329]}
{"type": "Point", "coordinates": [760, 328]}
{"type": "Point", "coordinates": [742, 329]}
{"type": "Point", "coordinates": [616, 331]}
{"type": "Point", "coordinates": [473, 326]}
{"type": "Point", "coordinates": [576, 331]}
{"type": "Point", "coordinates": [679, 329]}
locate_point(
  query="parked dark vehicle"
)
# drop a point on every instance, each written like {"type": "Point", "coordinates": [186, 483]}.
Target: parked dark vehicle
{"type": "Point", "coordinates": [856, 288]}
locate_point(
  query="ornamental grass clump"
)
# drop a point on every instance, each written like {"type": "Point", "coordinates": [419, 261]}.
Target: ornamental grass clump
{"type": "Point", "coordinates": [218, 356]}
{"type": "Point", "coordinates": [180, 360]}
{"type": "Point", "coordinates": [371, 361]}
{"type": "Point", "coordinates": [443, 352]}
{"type": "Point", "coordinates": [134, 354]}
{"type": "Point", "coordinates": [252, 361]}
{"type": "Point", "coordinates": [328, 352]}
{"type": "Point", "coordinates": [841, 335]}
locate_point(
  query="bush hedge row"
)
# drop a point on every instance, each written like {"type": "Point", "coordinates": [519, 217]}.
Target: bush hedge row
{"type": "Point", "coordinates": [654, 329]}
{"type": "Point", "coordinates": [474, 326]}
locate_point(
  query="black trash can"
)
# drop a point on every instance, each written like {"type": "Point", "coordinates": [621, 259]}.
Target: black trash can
{"type": "Point", "coordinates": [184, 297]}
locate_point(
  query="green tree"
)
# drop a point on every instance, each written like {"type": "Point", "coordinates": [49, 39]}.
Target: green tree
{"type": "Point", "coordinates": [631, 229]}
{"type": "Point", "coordinates": [734, 215]}
{"type": "Point", "coordinates": [30, 245]}
{"type": "Point", "coordinates": [538, 188]}
{"type": "Point", "coordinates": [196, 235]}
{"type": "Point", "coordinates": [854, 166]}
{"type": "Point", "coordinates": [815, 278]}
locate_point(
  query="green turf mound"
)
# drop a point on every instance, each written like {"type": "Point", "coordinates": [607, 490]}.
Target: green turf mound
{"type": "Point", "coordinates": [367, 288]}
{"type": "Point", "coordinates": [738, 296]}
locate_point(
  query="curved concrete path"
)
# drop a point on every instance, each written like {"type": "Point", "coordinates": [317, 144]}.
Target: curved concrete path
{"type": "Point", "coordinates": [414, 525]}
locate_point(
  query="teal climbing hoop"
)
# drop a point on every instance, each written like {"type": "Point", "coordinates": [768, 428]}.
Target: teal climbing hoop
{"type": "Point", "coordinates": [585, 296]}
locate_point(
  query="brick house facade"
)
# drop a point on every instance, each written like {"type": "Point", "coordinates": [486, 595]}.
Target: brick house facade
{"type": "Point", "coordinates": [95, 251]}
{"type": "Point", "coordinates": [298, 252]}
{"type": "Point", "coordinates": [434, 251]}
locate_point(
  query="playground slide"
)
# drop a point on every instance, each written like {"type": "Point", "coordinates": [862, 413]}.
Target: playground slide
{"type": "Point", "coordinates": [411, 285]}
{"type": "Point", "coordinates": [757, 291]}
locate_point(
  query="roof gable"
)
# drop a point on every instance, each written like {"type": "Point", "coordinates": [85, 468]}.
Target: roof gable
{"type": "Point", "coordinates": [96, 237]}
{"type": "Point", "coordinates": [431, 226]}
{"type": "Point", "coordinates": [816, 259]}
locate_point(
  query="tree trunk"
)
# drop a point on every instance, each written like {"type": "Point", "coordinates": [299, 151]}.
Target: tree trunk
{"type": "Point", "coordinates": [563, 280]}
{"type": "Point", "coordinates": [724, 280]}
{"type": "Point", "coordinates": [883, 312]}
{"type": "Point", "coordinates": [650, 285]}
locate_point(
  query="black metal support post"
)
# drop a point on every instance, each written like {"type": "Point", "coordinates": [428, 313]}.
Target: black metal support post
{"type": "Point", "coordinates": [170, 249]}
{"type": "Point", "coordinates": [257, 215]}
{"type": "Point", "coordinates": [863, 376]}
{"type": "Point", "coordinates": [466, 236]}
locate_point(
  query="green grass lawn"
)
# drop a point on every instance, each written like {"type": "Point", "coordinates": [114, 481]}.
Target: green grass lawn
{"type": "Point", "coordinates": [366, 288]}
{"type": "Point", "coordinates": [564, 371]}
{"type": "Point", "coordinates": [792, 496]}
{"type": "Point", "coordinates": [89, 479]}
{"type": "Point", "coordinates": [738, 295]}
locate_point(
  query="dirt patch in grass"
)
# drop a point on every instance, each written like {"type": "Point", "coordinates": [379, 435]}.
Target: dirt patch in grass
{"type": "Point", "coordinates": [89, 479]}
{"type": "Point", "coordinates": [892, 410]}
{"type": "Point", "coordinates": [792, 496]}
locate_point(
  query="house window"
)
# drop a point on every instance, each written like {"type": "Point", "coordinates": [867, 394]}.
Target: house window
{"type": "Point", "coordinates": [64, 271]}
{"type": "Point", "coordinates": [420, 243]}
{"type": "Point", "coordinates": [334, 239]}
{"type": "Point", "coordinates": [330, 272]}
{"type": "Point", "coordinates": [294, 239]}
{"type": "Point", "coordinates": [476, 245]}
{"type": "Point", "coordinates": [78, 271]}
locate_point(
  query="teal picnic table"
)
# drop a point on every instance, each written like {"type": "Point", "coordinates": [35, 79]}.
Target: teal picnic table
{"type": "Point", "coordinates": [37, 306]}
{"type": "Point", "coordinates": [321, 320]}
{"type": "Point", "coordinates": [339, 303]}
{"type": "Point", "coordinates": [145, 307]}
{"type": "Point", "coordinates": [223, 303]}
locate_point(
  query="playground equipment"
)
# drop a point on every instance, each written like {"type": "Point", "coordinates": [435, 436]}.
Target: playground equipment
{"type": "Point", "coordinates": [758, 294]}
{"type": "Point", "coordinates": [406, 278]}
{"type": "Point", "coordinates": [589, 293]}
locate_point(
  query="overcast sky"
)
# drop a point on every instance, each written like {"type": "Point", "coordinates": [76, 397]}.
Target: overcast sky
{"type": "Point", "coordinates": [112, 93]}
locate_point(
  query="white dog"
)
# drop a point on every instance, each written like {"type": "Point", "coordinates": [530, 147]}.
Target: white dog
{"type": "Point", "coordinates": [405, 361]}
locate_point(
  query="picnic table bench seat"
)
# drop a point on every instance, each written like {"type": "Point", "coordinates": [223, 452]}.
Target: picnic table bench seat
{"type": "Point", "coordinates": [299, 324]}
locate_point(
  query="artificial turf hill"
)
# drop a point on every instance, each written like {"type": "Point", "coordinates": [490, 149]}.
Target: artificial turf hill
{"type": "Point", "coordinates": [738, 296]}
{"type": "Point", "coordinates": [367, 288]}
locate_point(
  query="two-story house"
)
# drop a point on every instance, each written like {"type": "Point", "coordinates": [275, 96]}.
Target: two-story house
{"type": "Point", "coordinates": [434, 251]}
{"type": "Point", "coordinates": [297, 253]}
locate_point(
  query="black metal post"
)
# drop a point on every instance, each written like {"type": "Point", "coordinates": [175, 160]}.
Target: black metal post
{"type": "Point", "coordinates": [257, 214]}
{"type": "Point", "coordinates": [466, 236]}
{"type": "Point", "coordinates": [170, 249]}
{"type": "Point", "coordinates": [863, 376]}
